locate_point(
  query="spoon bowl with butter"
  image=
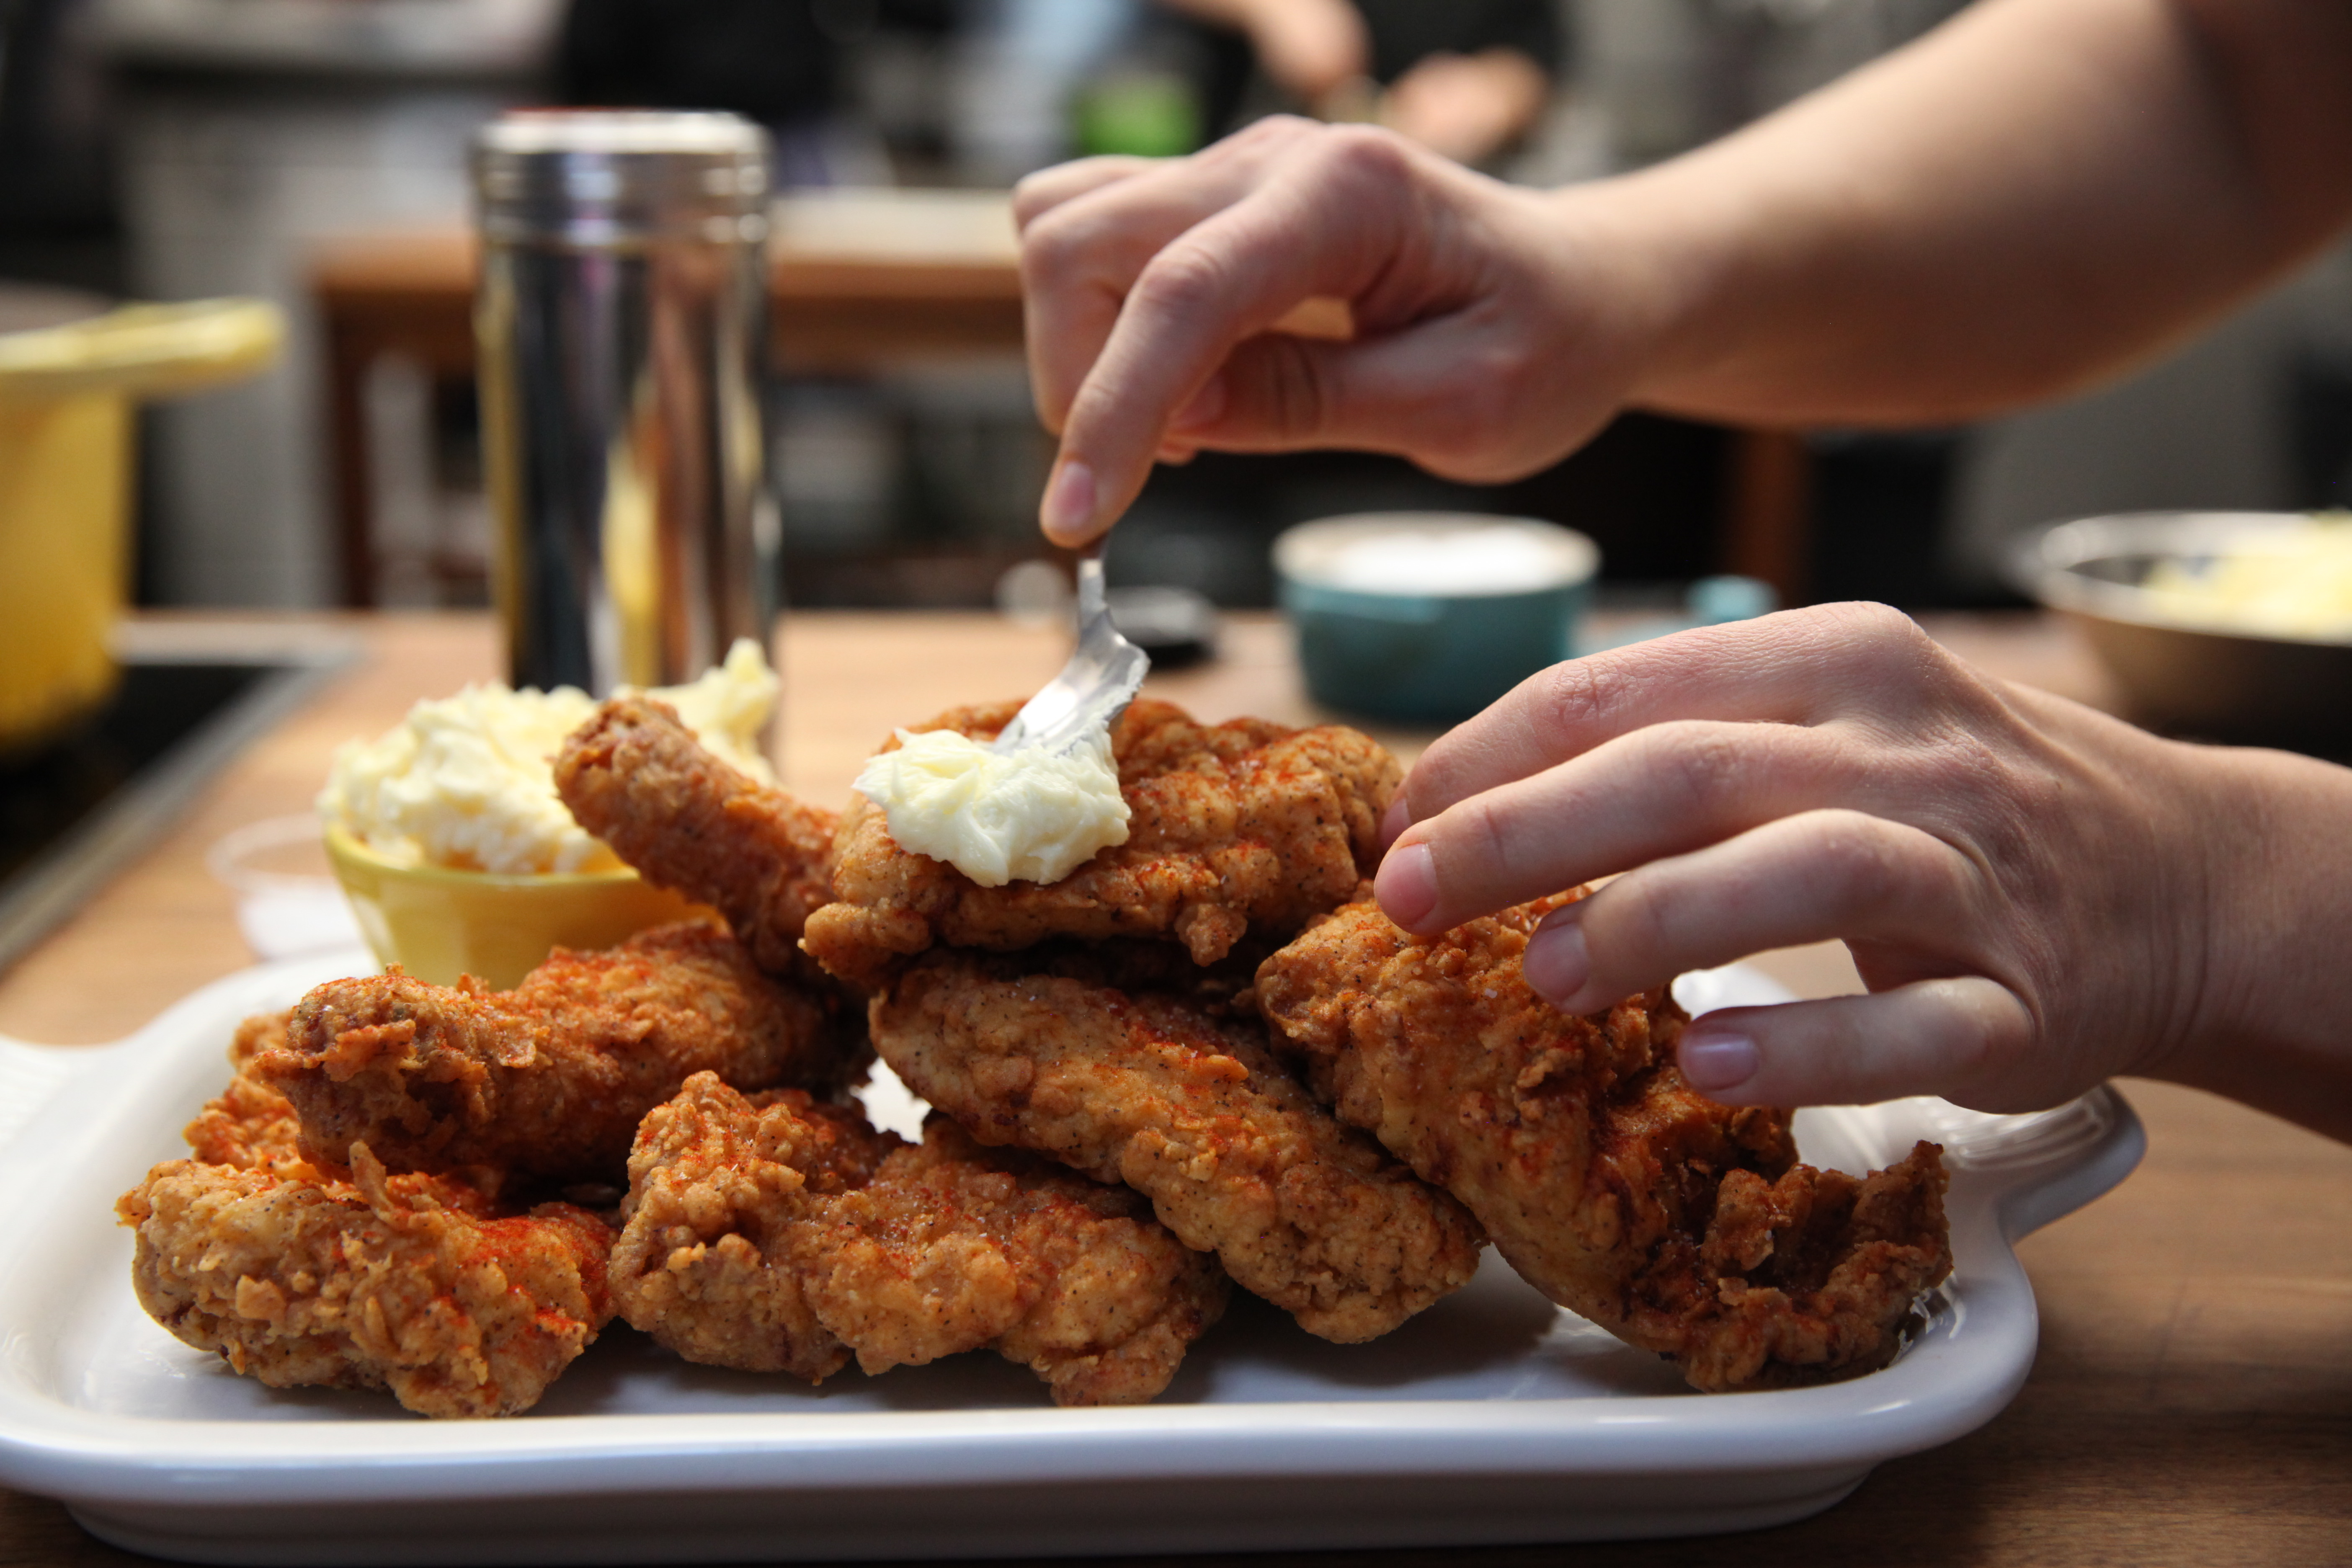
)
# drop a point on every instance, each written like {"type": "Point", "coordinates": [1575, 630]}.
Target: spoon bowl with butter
{"type": "Point", "coordinates": [1036, 803]}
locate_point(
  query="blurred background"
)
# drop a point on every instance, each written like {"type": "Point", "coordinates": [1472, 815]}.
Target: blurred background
{"type": "Point", "coordinates": [312, 151]}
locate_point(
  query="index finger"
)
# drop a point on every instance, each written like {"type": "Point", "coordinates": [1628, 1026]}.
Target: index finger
{"type": "Point", "coordinates": [1089, 228]}
{"type": "Point", "coordinates": [1792, 667]}
{"type": "Point", "coordinates": [1324, 226]}
{"type": "Point", "coordinates": [1039, 194]}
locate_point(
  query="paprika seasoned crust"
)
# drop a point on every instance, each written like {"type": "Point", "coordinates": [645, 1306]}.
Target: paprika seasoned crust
{"type": "Point", "coordinates": [635, 777]}
{"type": "Point", "coordinates": [301, 1272]}
{"type": "Point", "coordinates": [1246, 827]}
{"type": "Point", "coordinates": [416, 1283]}
{"type": "Point", "coordinates": [1681, 1226]}
{"type": "Point", "coordinates": [250, 1125]}
{"type": "Point", "coordinates": [550, 1079]}
{"type": "Point", "coordinates": [1185, 1102]}
{"type": "Point", "coordinates": [772, 1233]}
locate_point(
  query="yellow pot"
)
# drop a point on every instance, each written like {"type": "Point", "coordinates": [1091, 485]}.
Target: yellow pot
{"type": "Point", "coordinates": [65, 485]}
{"type": "Point", "coordinates": [439, 923]}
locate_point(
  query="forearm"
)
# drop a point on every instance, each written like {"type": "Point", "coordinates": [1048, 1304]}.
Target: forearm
{"type": "Point", "coordinates": [2027, 200]}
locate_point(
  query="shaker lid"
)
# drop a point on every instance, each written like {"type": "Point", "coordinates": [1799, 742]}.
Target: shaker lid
{"type": "Point", "coordinates": [617, 176]}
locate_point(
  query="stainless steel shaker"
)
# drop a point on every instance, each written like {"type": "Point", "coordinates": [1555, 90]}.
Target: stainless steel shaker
{"type": "Point", "coordinates": [621, 314]}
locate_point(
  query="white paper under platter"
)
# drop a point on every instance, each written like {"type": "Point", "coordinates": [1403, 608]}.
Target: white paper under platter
{"type": "Point", "coordinates": [1492, 1417]}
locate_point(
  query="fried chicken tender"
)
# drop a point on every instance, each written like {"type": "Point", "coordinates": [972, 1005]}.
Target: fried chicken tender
{"type": "Point", "coordinates": [1235, 827]}
{"type": "Point", "coordinates": [773, 1234]}
{"type": "Point", "coordinates": [1681, 1226]}
{"type": "Point", "coordinates": [412, 1283]}
{"type": "Point", "coordinates": [635, 777]}
{"type": "Point", "coordinates": [1074, 1279]}
{"type": "Point", "coordinates": [1197, 1113]}
{"type": "Point", "coordinates": [549, 1080]}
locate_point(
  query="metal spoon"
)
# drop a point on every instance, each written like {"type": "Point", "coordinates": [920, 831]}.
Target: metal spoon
{"type": "Point", "coordinates": [1092, 690]}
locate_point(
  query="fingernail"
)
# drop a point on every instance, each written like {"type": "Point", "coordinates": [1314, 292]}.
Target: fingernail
{"type": "Point", "coordinates": [1395, 820]}
{"type": "Point", "coordinates": [1715, 1060]}
{"type": "Point", "coordinates": [1407, 884]}
{"type": "Point", "coordinates": [1206, 408]}
{"type": "Point", "coordinates": [1556, 964]}
{"type": "Point", "coordinates": [1068, 513]}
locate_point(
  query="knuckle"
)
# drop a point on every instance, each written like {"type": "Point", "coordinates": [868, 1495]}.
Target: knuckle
{"type": "Point", "coordinates": [1853, 853]}
{"type": "Point", "coordinates": [1276, 128]}
{"type": "Point", "coordinates": [1870, 623]}
{"type": "Point", "coordinates": [1092, 406]}
{"type": "Point", "coordinates": [1889, 667]}
{"type": "Point", "coordinates": [1871, 641]}
{"type": "Point", "coordinates": [1704, 764]}
{"type": "Point", "coordinates": [1183, 280]}
{"type": "Point", "coordinates": [1576, 699]}
{"type": "Point", "coordinates": [1031, 195]}
{"type": "Point", "coordinates": [1053, 249]}
{"type": "Point", "coordinates": [1365, 153]}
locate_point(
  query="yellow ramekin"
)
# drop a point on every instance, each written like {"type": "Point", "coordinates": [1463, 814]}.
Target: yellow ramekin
{"type": "Point", "coordinates": [439, 923]}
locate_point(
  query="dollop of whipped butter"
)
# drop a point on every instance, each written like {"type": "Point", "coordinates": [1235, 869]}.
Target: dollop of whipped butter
{"type": "Point", "coordinates": [1032, 815]}
{"type": "Point", "coordinates": [469, 782]}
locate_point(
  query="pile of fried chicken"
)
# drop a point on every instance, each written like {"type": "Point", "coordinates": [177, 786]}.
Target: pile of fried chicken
{"type": "Point", "coordinates": [1203, 1058]}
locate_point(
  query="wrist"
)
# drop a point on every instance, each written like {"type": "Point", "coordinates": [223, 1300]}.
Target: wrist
{"type": "Point", "coordinates": [1634, 263]}
{"type": "Point", "coordinates": [2272, 1024]}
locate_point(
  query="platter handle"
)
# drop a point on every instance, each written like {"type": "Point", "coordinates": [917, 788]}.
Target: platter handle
{"type": "Point", "coordinates": [30, 1076]}
{"type": "Point", "coordinates": [2051, 1162]}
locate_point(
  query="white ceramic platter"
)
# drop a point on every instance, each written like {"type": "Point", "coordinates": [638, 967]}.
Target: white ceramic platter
{"type": "Point", "coordinates": [1492, 1417]}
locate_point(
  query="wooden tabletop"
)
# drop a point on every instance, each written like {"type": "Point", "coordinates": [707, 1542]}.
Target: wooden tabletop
{"type": "Point", "coordinates": [859, 281]}
{"type": "Point", "coordinates": [855, 278]}
{"type": "Point", "coordinates": [2192, 1400]}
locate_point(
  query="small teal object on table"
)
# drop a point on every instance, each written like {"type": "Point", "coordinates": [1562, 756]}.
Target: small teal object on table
{"type": "Point", "coordinates": [1709, 602]}
{"type": "Point", "coordinates": [1427, 617]}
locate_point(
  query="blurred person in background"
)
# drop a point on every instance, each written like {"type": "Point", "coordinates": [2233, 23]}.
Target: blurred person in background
{"type": "Point", "coordinates": [780, 62]}
{"type": "Point", "coordinates": [1467, 78]}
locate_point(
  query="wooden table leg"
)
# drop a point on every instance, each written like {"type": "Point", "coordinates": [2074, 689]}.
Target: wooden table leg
{"type": "Point", "coordinates": [1767, 529]}
{"type": "Point", "coordinates": [350, 350]}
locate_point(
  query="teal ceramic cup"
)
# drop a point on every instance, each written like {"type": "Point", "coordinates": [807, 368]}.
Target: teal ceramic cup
{"type": "Point", "coordinates": [1426, 617]}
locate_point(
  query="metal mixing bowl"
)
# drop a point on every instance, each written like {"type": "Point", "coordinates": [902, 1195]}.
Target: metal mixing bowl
{"type": "Point", "coordinates": [2182, 677]}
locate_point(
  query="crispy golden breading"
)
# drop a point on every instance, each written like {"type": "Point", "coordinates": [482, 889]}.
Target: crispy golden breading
{"type": "Point", "coordinates": [549, 1080]}
{"type": "Point", "coordinates": [1679, 1224]}
{"type": "Point", "coordinates": [250, 1126]}
{"type": "Point", "coordinates": [1197, 1113]}
{"type": "Point", "coordinates": [772, 1233]}
{"type": "Point", "coordinates": [954, 1243]}
{"type": "Point", "coordinates": [412, 1283]}
{"type": "Point", "coordinates": [636, 778]}
{"type": "Point", "coordinates": [717, 1186]}
{"type": "Point", "coordinates": [1235, 827]}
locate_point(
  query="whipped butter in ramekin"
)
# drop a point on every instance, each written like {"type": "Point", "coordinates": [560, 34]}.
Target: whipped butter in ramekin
{"type": "Point", "coordinates": [458, 854]}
